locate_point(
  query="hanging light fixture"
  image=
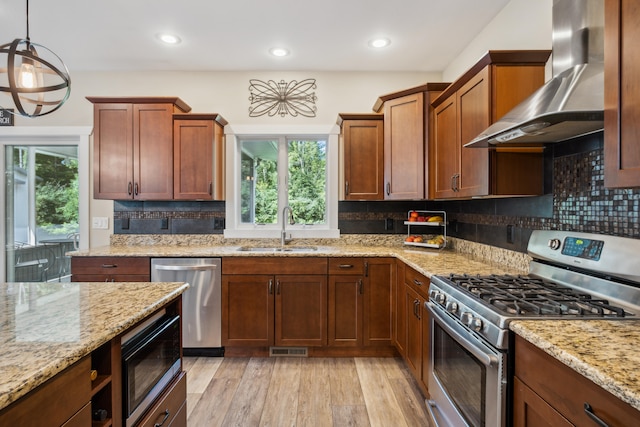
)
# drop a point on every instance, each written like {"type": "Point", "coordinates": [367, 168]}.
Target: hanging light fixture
{"type": "Point", "coordinates": [35, 78]}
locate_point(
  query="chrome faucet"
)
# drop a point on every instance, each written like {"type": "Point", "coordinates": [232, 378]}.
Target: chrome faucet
{"type": "Point", "coordinates": [283, 234]}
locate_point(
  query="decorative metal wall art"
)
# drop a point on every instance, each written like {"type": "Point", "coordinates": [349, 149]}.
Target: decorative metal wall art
{"type": "Point", "coordinates": [282, 98]}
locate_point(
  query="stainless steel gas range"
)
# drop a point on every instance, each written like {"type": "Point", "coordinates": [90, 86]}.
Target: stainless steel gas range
{"type": "Point", "coordinates": [572, 275]}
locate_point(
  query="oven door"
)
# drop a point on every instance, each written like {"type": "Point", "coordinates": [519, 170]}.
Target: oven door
{"type": "Point", "coordinates": [467, 378]}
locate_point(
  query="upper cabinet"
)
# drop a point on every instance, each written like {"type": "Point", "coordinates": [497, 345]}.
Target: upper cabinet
{"type": "Point", "coordinates": [361, 156]}
{"type": "Point", "coordinates": [487, 91]}
{"type": "Point", "coordinates": [622, 94]}
{"type": "Point", "coordinates": [407, 126]}
{"type": "Point", "coordinates": [198, 156]}
{"type": "Point", "coordinates": [133, 147]}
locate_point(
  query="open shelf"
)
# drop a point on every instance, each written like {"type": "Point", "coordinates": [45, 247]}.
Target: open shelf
{"type": "Point", "coordinates": [440, 224]}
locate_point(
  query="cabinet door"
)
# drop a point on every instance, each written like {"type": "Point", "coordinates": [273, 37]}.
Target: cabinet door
{"type": "Point", "coordinates": [446, 148]}
{"type": "Point", "coordinates": [413, 355]}
{"type": "Point", "coordinates": [398, 307]}
{"type": "Point", "coordinates": [622, 93]}
{"type": "Point", "coordinates": [301, 310]}
{"type": "Point", "coordinates": [153, 151]}
{"type": "Point", "coordinates": [345, 310]}
{"type": "Point", "coordinates": [530, 410]}
{"type": "Point", "coordinates": [247, 310]}
{"type": "Point", "coordinates": [473, 117]}
{"type": "Point", "coordinates": [363, 159]}
{"type": "Point", "coordinates": [426, 346]}
{"type": "Point", "coordinates": [193, 149]}
{"type": "Point", "coordinates": [380, 274]}
{"type": "Point", "coordinates": [113, 151]}
{"type": "Point", "coordinates": [404, 148]}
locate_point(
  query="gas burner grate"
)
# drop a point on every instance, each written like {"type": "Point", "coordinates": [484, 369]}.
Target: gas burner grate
{"type": "Point", "coordinates": [524, 295]}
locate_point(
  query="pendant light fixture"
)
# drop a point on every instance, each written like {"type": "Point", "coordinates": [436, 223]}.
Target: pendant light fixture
{"type": "Point", "coordinates": [33, 78]}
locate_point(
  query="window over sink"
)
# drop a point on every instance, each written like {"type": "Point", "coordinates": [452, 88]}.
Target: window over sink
{"type": "Point", "coordinates": [271, 168]}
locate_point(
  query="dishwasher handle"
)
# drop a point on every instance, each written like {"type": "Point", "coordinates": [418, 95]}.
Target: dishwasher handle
{"type": "Point", "coordinates": [201, 267]}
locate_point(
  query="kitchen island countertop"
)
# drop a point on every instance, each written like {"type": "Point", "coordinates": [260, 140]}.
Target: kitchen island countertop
{"type": "Point", "coordinates": [47, 327]}
{"type": "Point", "coordinates": [604, 351]}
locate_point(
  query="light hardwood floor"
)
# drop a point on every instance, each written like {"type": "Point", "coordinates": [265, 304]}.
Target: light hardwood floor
{"type": "Point", "coordinates": [290, 391]}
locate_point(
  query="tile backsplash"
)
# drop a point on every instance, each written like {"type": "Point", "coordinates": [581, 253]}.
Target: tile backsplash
{"type": "Point", "coordinates": [576, 201]}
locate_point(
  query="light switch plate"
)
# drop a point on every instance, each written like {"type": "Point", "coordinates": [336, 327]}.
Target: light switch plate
{"type": "Point", "coordinates": [100, 223]}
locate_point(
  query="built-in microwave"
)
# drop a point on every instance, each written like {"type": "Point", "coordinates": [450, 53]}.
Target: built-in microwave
{"type": "Point", "coordinates": [150, 361]}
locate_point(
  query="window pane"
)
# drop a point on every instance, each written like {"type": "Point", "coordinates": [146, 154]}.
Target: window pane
{"type": "Point", "coordinates": [259, 182]}
{"type": "Point", "coordinates": [307, 180]}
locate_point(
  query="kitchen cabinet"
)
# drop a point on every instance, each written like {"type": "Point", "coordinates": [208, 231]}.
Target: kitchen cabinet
{"type": "Point", "coordinates": [416, 289]}
{"type": "Point", "coordinates": [487, 91]}
{"type": "Point", "coordinates": [361, 156]}
{"type": "Point", "coordinates": [198, 157]}
{"type": "Point", "coordinates": [360, 301]}
{"type": "Point", "coordinates": [621, 92]}
{"type": "Point", "coordinates": [171, 407]}
{"type": "Point", "coordinates": [270, 301]}
{"type": "Point", "coordinates": [398, 309]}
{"type": "Point", "coordinates": [110, 269]}
{"type": "Point", "coordinates": [407, 125]}
{"type": "Point", "coordinates": [133, 147]}
{"type": "Point", "coordinates": [547, 392]}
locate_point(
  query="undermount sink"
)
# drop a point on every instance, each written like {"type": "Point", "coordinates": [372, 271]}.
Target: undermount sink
{"type": "Point", "coordinates": [277, 248]}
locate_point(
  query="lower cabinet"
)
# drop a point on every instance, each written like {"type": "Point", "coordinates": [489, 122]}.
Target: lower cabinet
{"type": "Point", "coordinates": [286, 307]}
{"type": "Point", "coordinates": [549, 393]}
{"type": "Point", "coordinates": [170, 409]}
{"type": "Point", "coordinates": [110, 269]}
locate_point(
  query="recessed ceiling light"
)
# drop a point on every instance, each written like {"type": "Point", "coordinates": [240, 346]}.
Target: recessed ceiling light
{"type": "Point", "coordinates": [279, 51]}
{"type": "Point", "coordinates": [379, 43]}
{"type": "Point", "coordinates": [169, 38]}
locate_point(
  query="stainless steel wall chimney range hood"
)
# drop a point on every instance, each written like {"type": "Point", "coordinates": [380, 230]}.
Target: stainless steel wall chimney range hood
{"type": "Point", "coordinates": [571, 104]}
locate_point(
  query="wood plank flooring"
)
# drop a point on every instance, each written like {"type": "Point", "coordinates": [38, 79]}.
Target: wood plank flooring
{"type": "Point", "coordinates": [301, 392]}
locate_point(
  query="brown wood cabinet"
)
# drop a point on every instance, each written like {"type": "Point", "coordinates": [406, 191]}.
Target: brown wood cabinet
{"type": "Point", "coordinates": [492, 87]}
{"type": "Point", "coordinates": [416, 289]}
{"type": "Point", "coordinates": [110, 269]}
{"type": "Point", "coordinates": [622, 94]}
{"type": "Point", "coordinates": [407, 126]}
{"type": "Point", "coordinates": [398, 310]}
{"type": "Point", "coordinates": [198, 157]}
{"type": "Point", "coordinates": [133, 147]}
{"type": "Point", "coordinates": [170, 409]}
{"type": "Point", "coordinates": [360, 301]}
{"type": "Point", "coordinates": [361, 156]}
{"type": "Point", "coordinates": [285, 306]}
{"type": "Point", "coordinates": [547, 392]}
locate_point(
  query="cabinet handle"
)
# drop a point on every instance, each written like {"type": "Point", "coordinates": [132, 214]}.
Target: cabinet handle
{"type": "Point", "coordinates": [388, 188]}
{"type": "Point", "coordinates": [360, 286]}
{"type": "Point", "coordinates": [418, 282]}
{"type": "Point", "coordinates": [417, 309]}
{"type": "Point", "coordinates": [596, 419]}
{"type": "Point", "coordinates": [166, 416]}
{"type": "Point", "coordinates": [453, 182]}
{"type": "Point", "coordinates": [270, 287]}
{"type": "Point", "coordinates": [211, 188]}
{"type": "Point", "coordinates": [135, 189]}
{"type": "Point", "coordinates": [366, 269]}
{"type": "Point", "coordinates": [277, 287]}
{"type": "Point", "coordinates": [346, 265]}
{"type": "Point", "coordinates": [346, 188]}
{"type": "Point", "coordinates": [129, 188]}
{"type": "Point", "coordinates": [109, 265]}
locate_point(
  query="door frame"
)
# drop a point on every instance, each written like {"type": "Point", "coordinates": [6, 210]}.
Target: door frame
{"type": "Point", "coordinates": [52, 135]}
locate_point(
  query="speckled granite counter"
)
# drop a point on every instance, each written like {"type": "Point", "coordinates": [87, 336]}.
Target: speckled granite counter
{"type": "Point", "coordinates": [604, 351]}
{"type": "Point", "coordinates": [46, 327]}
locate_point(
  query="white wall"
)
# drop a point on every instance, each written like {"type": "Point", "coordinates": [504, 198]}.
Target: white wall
{"type": "Point", "coordinates": [521, 24]}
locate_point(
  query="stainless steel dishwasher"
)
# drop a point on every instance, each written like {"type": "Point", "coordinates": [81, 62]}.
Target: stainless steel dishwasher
{"type": "Point", "coordinates": [201, 303]}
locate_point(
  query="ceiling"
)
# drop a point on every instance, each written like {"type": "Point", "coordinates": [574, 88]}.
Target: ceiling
{"type": "Point", "coordinates": [328, 35]}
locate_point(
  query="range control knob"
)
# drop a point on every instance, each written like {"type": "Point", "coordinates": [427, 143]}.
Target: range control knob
{"type": "Point", "coordinates": [475, 324]}
{"type": "Point", "coordinates": [452, 307]}
{"type": "Point", "coordinates": [554, 244]}
{"type": "Point", "coordinates": [440, 298]}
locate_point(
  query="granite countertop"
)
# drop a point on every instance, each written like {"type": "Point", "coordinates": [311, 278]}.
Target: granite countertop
{"type": "Point", "coordinates": [604, 351]}
{"type": "Point", "coordinates": [47, 327]}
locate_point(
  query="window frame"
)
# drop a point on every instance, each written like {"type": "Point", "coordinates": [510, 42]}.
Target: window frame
{"type": "Point", "coordinates": [234, 228]}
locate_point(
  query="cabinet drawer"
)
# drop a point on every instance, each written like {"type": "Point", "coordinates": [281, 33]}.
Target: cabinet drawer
{"type": "Point", "coordinates": [54, 402]}
{"type": "Point", "coordinates": [111, 265]}
{"type": "Point", "coordinates": [274, 265]}
{"type": "Point", "coordinates": [82, 418]}
{"type": "Point", "coordinates": [168, 408]}
{"type": "Point", "coordinates": [417, 281]}
{"type": "Point", "coordinates": [346, 266]}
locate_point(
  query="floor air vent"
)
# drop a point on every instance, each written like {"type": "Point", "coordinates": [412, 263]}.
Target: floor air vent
{"type": "Point", "coordinates": [288, 351]}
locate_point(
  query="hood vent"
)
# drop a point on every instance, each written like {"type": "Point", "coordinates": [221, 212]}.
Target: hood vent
{"type": "Point", "coordinates": [571, 104]}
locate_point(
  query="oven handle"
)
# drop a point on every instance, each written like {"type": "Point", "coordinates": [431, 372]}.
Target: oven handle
{"type": "Point", "coordinates": [484, 358]}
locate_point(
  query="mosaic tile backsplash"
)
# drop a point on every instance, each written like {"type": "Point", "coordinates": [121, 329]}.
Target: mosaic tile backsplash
{"type": "Point", "coordinates": [577, 201]}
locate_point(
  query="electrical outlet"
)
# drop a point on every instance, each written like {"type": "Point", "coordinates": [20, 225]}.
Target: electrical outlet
{"type": "Point", "coordinates": [388, 224]}
{"type": "Point", "coordinates": [100, 223]}
{"type": "Point", "coordinates": [511, 232]}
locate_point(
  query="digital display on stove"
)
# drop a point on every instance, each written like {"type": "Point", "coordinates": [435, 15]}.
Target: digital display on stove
{"type": "Point", "coordinates": [582, 248]}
